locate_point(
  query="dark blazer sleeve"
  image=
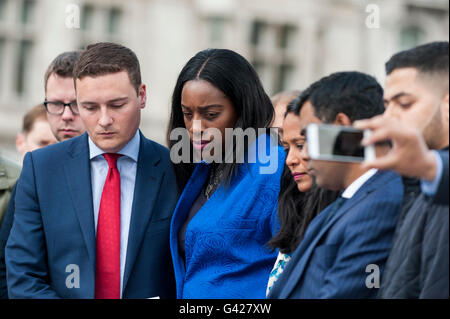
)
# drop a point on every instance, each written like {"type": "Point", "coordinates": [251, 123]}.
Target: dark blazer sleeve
{"type": "Point", "coordinates": [27, 271]}
{"type": "Point", "coordinates": [4, 234]}
{"type": "Point", "coordinates": [441, 196]}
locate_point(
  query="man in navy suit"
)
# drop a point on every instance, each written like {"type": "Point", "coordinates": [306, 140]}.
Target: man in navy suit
{"type": "Point", "coordinates": [346, 246]}
{"type": "Point", "coordinates": [92, 213]}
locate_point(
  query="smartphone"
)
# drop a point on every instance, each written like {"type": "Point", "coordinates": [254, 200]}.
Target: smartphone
{"type": "Point", "coordinates": [337, 143]}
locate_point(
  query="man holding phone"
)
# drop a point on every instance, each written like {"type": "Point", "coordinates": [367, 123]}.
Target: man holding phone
{"type": "Point", "coordinates": [417, 121]}
{"type": "Point", "coordinates": [346, 246]}
{"type": "Point", "coordinates": [410, 156]}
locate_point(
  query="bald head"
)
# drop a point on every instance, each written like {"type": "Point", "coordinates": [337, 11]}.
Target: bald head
{"type": "Point", "coordinates": [280, 102]}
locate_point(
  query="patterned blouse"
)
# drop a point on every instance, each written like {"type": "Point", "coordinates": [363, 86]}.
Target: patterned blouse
{"type": "Point", "coordinates": [280, 264]}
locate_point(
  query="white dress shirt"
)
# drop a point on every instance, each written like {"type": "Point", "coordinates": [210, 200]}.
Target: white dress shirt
{"type": "Point", "coordinates": [127, 166]}
{"type": "Point", "coordinates": [358, 183]}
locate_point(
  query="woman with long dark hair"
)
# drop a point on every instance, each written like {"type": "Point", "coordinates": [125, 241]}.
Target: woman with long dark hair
{"type": "Point", "coordinates": [227, 211]}
{"type": "Point", "coordinates": [300, 200]}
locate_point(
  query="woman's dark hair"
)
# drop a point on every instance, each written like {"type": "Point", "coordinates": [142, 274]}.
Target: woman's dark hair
{"type": "Point", "coordinates": [236, 78]}
{"type": "Point", "coordinates": [296, 209]}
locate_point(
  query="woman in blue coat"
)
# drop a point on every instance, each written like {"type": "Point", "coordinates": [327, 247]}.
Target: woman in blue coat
{"type": "Point", "coordinates": [227, 211]}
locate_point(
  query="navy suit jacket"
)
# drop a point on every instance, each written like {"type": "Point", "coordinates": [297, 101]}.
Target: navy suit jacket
{"type": "Point", "coordinates": [53, 240]}
{"type": "Point", "coordinates": [331, 260]}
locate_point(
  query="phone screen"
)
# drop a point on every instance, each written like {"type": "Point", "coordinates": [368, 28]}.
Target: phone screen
{"type": "Point", "coordinates": [337, 143]}
{"type": "Point", "coordinates": [340, 143]}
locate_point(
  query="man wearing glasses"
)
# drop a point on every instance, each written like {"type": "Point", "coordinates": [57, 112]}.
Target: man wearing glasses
{"type": "Point", "coordinates": [60, 98]}
{"type": "Point", "coordinates": [65, 123]}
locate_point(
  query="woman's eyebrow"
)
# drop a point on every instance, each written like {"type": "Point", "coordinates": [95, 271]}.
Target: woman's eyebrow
{"type": "Point", "coordinates": [205, 107]}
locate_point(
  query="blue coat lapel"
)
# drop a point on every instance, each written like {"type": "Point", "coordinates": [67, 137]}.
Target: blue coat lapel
{"type": "Point", "coordinates": [190, 193]}
{"type": "Point", "coordinates": [78, 175]}
{"type": "Point", "coordinates": [303, 253]}
{"type": "Point", "coordinates": [147, 186]}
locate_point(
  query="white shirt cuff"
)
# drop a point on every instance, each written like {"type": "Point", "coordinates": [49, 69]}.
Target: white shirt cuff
{"type": "Point", "coordinates": [430, 188]}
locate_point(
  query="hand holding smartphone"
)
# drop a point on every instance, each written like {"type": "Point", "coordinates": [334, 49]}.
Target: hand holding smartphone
{"type": "Point", "coordinates": [338, 143]}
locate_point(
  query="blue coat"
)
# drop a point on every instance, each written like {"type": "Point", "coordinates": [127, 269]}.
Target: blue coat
{"type": "Point", "coordinates": [226, 252]}
{"type": "Point", "coordinates": [331, 260]}
{"type": "Point", "coordinates": [54, 225]}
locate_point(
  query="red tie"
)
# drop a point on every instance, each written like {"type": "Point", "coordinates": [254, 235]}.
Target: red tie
{"type": "Point", "coordinates": [107, 270]}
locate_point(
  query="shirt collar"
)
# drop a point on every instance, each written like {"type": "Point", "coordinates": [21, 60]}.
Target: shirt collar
{"type": "Point", "coordinates": [130, 150]}
{"type": "Point", "coordinates": [356, 185]}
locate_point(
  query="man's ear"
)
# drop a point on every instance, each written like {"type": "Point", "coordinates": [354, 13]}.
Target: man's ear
{"type": "Point", "coordinates": [20, 143]}
{"type": "Point", "coordinates": [142, 94]}
{"type": "Point", "coordinates": [342, 119]}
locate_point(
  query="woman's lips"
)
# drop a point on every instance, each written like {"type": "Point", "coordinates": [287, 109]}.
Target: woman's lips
{"type": "Point", "coordinates": [200, 145]}
{"type": "Point", "coordinates": [298, 176]}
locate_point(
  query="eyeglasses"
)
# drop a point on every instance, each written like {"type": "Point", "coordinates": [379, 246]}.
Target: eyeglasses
{"type": "Point", "coordinates": [57, 108]}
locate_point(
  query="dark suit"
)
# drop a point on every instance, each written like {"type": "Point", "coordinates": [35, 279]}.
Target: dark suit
{"type": "Point", "coordinates": [418, 264]}
{"type": "Point", "coordinates": [54, 225]}
{"type": "Point", "coordinates": [331, 260]}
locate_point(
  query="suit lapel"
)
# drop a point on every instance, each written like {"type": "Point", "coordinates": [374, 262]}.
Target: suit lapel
{"type": "Point", "coordinates": [303, 253]}
{"type": "Point", "coordinates": [300, 258]}
{"type": "Point", "coordinates": [187, 198]}
{"type": "Point", "coordinates": [148, 180]}
{"type": "Point", "coordinates": [77, 172]}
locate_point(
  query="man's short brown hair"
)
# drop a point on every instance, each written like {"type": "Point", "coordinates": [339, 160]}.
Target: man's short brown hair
{"type": "Point", "coordinates": [36, 113]}
{"type": "Point", "coordinates": [62, 66]}
{"type": "Point", "coordinates": [105, 58]}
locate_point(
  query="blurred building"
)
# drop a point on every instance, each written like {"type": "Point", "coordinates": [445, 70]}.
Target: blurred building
{"type": "Point", "coordinates": [290, 42]}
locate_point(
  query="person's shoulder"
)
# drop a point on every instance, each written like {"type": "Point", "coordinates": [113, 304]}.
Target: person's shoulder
{"type": "Point", "coordinates": [156, 149]}
{"type": "Point", "coordinates": [385, 192]}
{"type": "Point", "coordinates": [152, 144]}
{"type": "Point", "coordinates": [387, 182]}
{"type": "Point", "coordinates": [9, 170]}
{"type": "Point", "coordinates": [55, 152]}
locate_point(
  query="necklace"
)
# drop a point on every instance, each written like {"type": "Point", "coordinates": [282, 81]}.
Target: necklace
{"type": "Point", "coordinates": [215, 176]}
